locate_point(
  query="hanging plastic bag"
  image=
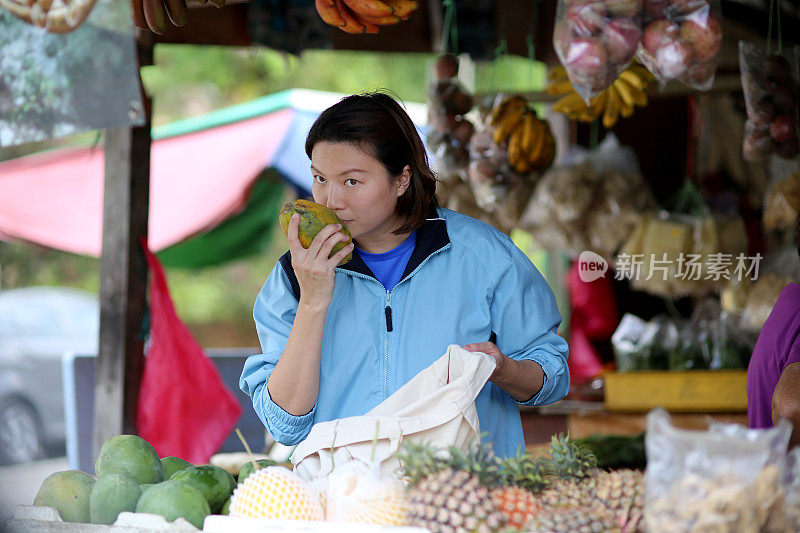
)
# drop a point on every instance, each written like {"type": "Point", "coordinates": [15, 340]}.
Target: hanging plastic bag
{"type": "Point", "coordinates": [185, 410]}
{"type": "Point", "coordinates": [681, 40]}
{"type": "Point", "coordinates": [595, 40]}
{"type": "Point", "coordinates": [726, 479]}
{"type": "Point", "coordinates": [782, 201]}
{"type": "Point", "coordinates": [769, 82]}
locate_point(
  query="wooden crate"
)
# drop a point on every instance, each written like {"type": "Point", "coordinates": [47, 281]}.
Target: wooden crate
{"type": "Point", "coordinates": [691, 391]}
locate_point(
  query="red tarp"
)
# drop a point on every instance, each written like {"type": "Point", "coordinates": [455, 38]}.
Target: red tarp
{"type": "Point", "coordinates": [197, 180]}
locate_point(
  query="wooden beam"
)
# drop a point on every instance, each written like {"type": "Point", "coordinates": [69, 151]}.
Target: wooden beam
{"type": "Point", "coordinates": [123, 276]}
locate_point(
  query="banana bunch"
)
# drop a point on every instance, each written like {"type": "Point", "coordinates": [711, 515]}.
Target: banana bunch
{"type": "Point", "coordinates": [619, 99]}
{"type": "Point", "coordinates": [364, 16]}
{"type": "Point", "coordinates": [530, 143]}
{"type": "Point", "coordinates": [59, 16]}
{"type": "Point", "coordinates": [156, 15]}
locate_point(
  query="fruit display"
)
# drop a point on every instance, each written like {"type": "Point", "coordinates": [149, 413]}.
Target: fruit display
{"type": "Point", "coordinates": [770, 84]}
{"type": "Point", "coordinates": [681, 40]}
{"type": "Point", "coordinates": [130, 477]}
{"type": "Point", "coordinates": [360, 493]}
{"type": "Point", "coordinates": [313, 217]}
{"type": "Point", "coordinates": [618, 100]}
{"type": "Point", "coordinates": [55, 17]}
{"type": "Point", "coordinates": [276, 492]}
{"type": "Point", "coordinates": [364, 16]}
{"type": "Point", "coordinates": [595, 40]}
{"type": "Point", "coordinates": [592, 202]}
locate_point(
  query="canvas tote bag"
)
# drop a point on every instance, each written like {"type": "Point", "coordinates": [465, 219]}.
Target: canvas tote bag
{"type": "Point", "coordinates": [437, 406]}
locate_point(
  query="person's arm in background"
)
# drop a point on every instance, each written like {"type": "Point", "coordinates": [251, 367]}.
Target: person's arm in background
{"type": "Point", "coordinates": [786, 400]}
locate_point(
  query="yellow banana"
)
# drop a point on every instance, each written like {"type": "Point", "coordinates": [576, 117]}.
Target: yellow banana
{"type": "Point", "coordinates": [506, 126]}
{"type": "Point", "coordinates": [539, 136]}
{"type": "Point", "coordinates": [371, 8]}
{"type": "Point", "coordinates": [626, 91]}
{"type": "Point", "coordinates": [625, 109]}
{"type": "Point", "coordinates": [557, 72]}
{"type": "Point", "coordinates": [402, 8]}
{"type": "Point", "coordinates": [514, 152]}
{"type": "Point", "coordinates": [528, 123]}
{"type": "Point", "coordinates": [633, 79]}
{"type": "Point", "coordinates": [328, 13]}
{"type": "Point", "coordinates": [548, 153]}
{"type": "Point", "coordinates": [611, 113]}
{"type": "Point", "coordinates": [506, 105]}
{"type": "Point", "coordinates": [560, 87]}
{"type": "Point", "coordinates": [569, 103]}
{"type": "Point", "coordinates": [351, 25]}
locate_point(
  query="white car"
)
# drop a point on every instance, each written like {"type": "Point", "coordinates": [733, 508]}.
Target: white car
{"type": "Point", "coordinates": [37, 326]}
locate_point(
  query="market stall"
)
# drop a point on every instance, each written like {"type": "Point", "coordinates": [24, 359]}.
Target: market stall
{"type": "Point", "coordinates": [668, 242]}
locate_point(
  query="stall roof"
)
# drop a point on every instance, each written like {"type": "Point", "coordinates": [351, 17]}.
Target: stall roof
{"type": "Point", "coordinates": [202, 171]}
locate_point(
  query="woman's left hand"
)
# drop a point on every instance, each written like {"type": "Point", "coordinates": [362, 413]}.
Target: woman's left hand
{"type": "Point", "coordinates": [503, 362]}
{"type": "Point", "coordinates": [522, 380]}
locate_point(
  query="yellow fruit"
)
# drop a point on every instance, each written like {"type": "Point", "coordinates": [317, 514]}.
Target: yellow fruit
{"type": "Point", "coordinates": [358, 493]}
{"type": "Point", "coordinates": [313, 217]}
{"type": "Point", "coordinates": [276, 492]}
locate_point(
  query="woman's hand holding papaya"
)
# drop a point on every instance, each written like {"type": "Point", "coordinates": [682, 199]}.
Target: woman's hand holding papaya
{"type": "Point", "coordinates": [314, 266]}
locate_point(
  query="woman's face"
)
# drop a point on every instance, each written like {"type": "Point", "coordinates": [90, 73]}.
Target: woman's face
{"type": "Point", "coordinates": [357, 187]}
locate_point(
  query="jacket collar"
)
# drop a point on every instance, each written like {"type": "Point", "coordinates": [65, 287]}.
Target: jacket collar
{"type": "Point", "coordinates": [431, 237]}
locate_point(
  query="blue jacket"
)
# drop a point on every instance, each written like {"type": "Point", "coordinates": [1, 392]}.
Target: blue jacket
{"type": "Point", "coordinates": [466, 282]}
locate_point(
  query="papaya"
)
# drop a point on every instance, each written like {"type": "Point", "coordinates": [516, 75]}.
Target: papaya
{"type": "Point", "coordinates": [111, 495]}
{"type": "Point", "coordinates": [248, 467]}
{"type": "Point", "coordinates": [313, 217]}
{"type": "Point", "coordinates": [213, 482]}
{"type": "Point", "coordinates": [173, 464]}
{"type": "Point", "coordinates": [67, 492]}
{"type": "Point", "coordinates": [131, 455]}
{"type": "Point", "coordinates": [175, 499]}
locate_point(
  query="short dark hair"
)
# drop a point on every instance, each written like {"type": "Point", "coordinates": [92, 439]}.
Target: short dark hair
{"type": "Point", "coordinates": [378, 124]}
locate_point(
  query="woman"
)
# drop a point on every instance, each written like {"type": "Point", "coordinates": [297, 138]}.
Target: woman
{"type": "Point", "coordinates": [773, 376]}
{"type": "Point", "coordinates": [337, 341]}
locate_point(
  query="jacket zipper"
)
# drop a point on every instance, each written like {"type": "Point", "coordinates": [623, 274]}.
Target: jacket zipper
{"type": "Point", "coordinates": [386, 347]}
{"type": "Point", "coordinates": [387, 309]}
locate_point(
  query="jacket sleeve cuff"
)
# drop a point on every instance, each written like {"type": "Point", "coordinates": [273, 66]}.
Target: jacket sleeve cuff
{"type": "Point", "coordinates": [285, 427]}
{"type": "Point", "coordinates": [554, 385]}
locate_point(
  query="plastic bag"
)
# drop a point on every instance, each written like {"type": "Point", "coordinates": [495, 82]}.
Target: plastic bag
{"type": "Point", "coordinates": [185, 410]}
{"type": "Point", "coordinates": [496, 187]}
{"type": "Point", "coordinates": [592, 201]}
{"type": "Point", "coordinates": [770, 83]}
{"type": "Point", "coordinates": [792, 486]}
{"type": "Point", "coordinates": [726, 479]}
{"type": "Point", "coordinates": [640, 345]}
{"type": "Point", "coordinates": [782, 201]}
{"type": "Point", "coordinates": [681, 40]}
{"type": "Point", "coordinates": [595, 40]}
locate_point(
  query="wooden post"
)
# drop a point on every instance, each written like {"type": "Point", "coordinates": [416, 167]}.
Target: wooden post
{"type": "Point", "coordinates": [123, 275]}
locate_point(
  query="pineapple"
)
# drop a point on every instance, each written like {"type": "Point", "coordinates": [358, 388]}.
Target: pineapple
{"type": "Point", "coordinates": [573, 520]}
{"type": "Point", "coordinates": [276, 492]}
{"type": "Point", "coordinates": [452, 493]}
{"type": "Point", "coordinates": [579, 484]}
{"type": "Point", "coordinates": [523, 477]}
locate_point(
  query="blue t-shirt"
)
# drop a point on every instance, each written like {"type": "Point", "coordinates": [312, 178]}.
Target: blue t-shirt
{"type": "Point", "coordinates": [389, 266]}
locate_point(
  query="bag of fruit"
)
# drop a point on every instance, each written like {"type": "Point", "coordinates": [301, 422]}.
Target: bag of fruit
{"type": "Point", "coordinates": [437, 406]}
{"type": "Point", "coordinates": [681, 40]}
{"type": "Point", "coordinates": [770, 84]}
{"type": "Point", "coordinates": [595, 40]}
